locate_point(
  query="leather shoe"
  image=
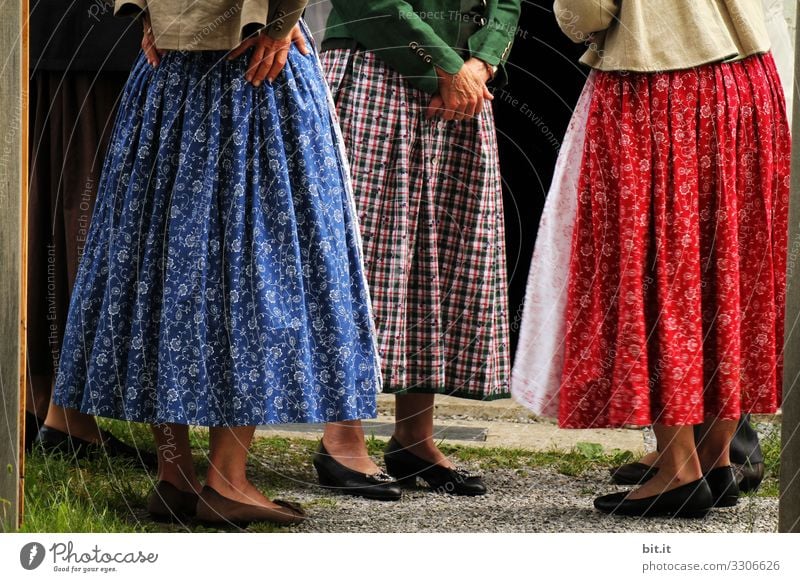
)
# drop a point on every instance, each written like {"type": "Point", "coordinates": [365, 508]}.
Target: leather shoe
{"type": "Point", "coordinates": [406, 467]}
{"type": "Point", "coordinates": [632, 473]}
{"type": "Point", "coordinates": [691, 500]}
{"type": "Point", "coordinates": [724, 489]}
{"type": "Point", "coordinates": [749, 476]}
{"type": "Point", "coordinates": [333, 475]}
{"type": "Point", "coordinates": [52, 440]}
{"type": "Point", "coordinates": [168, 503]}
{"type": "Point", "coordinates": [216, 509]}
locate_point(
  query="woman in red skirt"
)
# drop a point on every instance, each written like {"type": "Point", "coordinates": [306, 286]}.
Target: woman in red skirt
{"type": "Point", "coordinates": [675, 304]}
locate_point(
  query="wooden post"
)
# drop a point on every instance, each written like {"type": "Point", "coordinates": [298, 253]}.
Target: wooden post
{"type": "Point", "coordinates": [789, 507]}
{"type": "Point", "coordinates": [13, 246]}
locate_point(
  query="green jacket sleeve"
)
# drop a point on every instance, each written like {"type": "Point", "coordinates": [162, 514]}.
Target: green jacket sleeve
{"type": "Point", "coordinates": [492, 43]}
{"type": "Point", "coordinates": [385, 24]}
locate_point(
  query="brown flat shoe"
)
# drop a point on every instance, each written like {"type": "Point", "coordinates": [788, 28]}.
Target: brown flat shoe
{"type": "Point", "coordinates": [168, 503]}
{"type": "Point", "coordinates": [213, 508]}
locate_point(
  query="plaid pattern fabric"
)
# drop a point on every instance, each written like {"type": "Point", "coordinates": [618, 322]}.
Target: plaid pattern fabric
{"type": "Point", "coordinates": [429, 200]}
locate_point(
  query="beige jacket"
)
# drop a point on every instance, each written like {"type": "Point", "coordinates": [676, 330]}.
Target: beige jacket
{"type": "Point", "coordinates": [662, 35]}
{"type": "Point", "coordinates": [213, 24]}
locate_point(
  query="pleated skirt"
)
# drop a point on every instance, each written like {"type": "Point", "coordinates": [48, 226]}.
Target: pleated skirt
{"type": "Point", "coordinates": [677, 269]}
{"type": "Point", "coordinates": [430, 206]}
{"type": "Point", "coordinates": [222, 280]}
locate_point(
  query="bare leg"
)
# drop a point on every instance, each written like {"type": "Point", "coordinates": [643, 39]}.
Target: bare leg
{"type": "Point", "coordinates": [678, 462]}
{"type": "Point", "coordinates": [37, 398]}
{"type": "Point", "coordinates": [414, 427]}
{"type": "Point", "coordinates": [345, 442]}
{"type": "Point", "coordinates": [227, 472]}
{"type": "Point", "coordinates": [175, 463]}
{"type": "Point", "coordinates": [74, 423]}
{"type": "Point", "coordinates": [714, 445]}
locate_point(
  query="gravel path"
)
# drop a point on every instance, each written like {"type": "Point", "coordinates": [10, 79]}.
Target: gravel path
{"type": "Point", "coordinates": [537, 500]}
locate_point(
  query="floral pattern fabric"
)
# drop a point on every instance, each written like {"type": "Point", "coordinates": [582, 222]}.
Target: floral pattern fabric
{"type": "Point", "coordinates": [677, 277]}
{"type": "Point", "coordinates": [222, 279]}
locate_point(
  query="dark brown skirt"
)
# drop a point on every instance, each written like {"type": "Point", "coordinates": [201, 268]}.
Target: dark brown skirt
{"type": "Point", "coordinates": [71, 117]}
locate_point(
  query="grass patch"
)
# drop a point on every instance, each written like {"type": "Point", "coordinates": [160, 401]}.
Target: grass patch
{"type": "Point", "coordinates": [771, 447]}
{"type": "Point", "coordinates": [108, 495]}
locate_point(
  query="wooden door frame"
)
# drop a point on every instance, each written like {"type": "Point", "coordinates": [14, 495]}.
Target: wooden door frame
{"type": "Point", "coordinates": [13, 254]}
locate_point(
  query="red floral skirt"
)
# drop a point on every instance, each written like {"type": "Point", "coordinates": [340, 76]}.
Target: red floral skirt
{"type": "Point", "coordinates": [678, 270]}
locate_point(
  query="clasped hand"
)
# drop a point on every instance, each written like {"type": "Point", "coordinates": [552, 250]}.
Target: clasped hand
{"type": "Point", "coordinates": [461, 96]}
{"type": "Point", "coordinates": [268, 59]}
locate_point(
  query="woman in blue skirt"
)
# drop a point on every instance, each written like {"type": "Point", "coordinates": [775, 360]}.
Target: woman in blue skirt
{"type": "Point", "coordinates": [221, 283]}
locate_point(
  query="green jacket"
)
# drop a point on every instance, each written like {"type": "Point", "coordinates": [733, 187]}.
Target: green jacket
{"type": "Point", "coordinates": [413, 36]}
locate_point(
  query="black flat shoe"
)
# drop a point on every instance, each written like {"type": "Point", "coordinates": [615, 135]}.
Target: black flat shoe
{"type": "Point", "coordinates": [632, 473]}
{"type": "Point", "coordinates": [406, 467]}
{"type": "Point", "coordinates": [749, 476]}
{"type": "Point", "coordinates": [168, 503]}
{"type": "Point", "coordinates": [724, 489]}
{"type": "Point", "coordinates": [52, 440]}
{"type": "Point", "coordinates": [333, 475]}
{"type": "Point", "coordinates": [691, 500]}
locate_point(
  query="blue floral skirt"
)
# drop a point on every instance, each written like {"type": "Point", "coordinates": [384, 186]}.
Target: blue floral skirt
{"type": "Point", "coordinates": [221, 282]}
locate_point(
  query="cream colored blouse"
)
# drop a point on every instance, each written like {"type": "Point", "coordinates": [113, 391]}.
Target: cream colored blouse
{"type": "Point", "coordinates": [213, 24]}
{"type": "Point", "coordinates": [661, 35]}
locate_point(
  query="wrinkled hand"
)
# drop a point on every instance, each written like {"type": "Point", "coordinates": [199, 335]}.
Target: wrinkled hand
{"type": "Point", "coordinates": [461, 96]}
{"type": "Point", "coordinates": [270, 55]}
{"type": "Point", "coordinates": [151, 53]}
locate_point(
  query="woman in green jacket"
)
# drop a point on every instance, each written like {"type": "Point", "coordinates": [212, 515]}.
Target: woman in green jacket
{"type": "Point", "coordinates": [409, 79]}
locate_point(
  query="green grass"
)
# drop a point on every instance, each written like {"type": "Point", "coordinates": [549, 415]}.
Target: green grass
{"type": "Point", "coordinates": [108, 495]}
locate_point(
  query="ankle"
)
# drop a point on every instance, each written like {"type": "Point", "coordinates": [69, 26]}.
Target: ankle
{"type": "Point", "coordinates": [712, 463]}
{"type": "Point", "coordinates": [180, 480]}
{"type": "Point", "coordinates": [414, 440]}
{"type": "Point", "coordinates": [349, 446]}
{"type": "Point", "coordinates": [712, 457]}
{"type": "Point", "coordinates": [221, 480]}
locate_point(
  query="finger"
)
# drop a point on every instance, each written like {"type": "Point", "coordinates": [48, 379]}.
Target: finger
{"type": "Point", "coordinates": [263, 68]}
{"type": "Point", "coordinates": [149, 51]}
{"type": "Point", "coordinates": [240, 50]}
{"type": "Point", "coordinates": [277, 65]}
{"type": "Point", "coordinates": [255, 63]}
{"type": "Point", "coordinates": [487, 94]}
{"type": "Point", "coordinates": [463, 111]}
{"type": "Point", "coordinates": [300, 42]}
{"type": "Point", "coordinates": [434, 107]}
{"type": "Point", "coordinates": [476, 110]}
{"type": "Point", "coordinates": [449, 112]}
{"type": "Point", "coordinates": [471, 108]}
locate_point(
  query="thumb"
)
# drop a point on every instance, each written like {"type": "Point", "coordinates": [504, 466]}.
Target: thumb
{"type": "Point", "coordinates": [300, 42]}
{"type": "Point", "coordinates": [241, 49]}
{"type": "Point", "coordinates": [487, 94]}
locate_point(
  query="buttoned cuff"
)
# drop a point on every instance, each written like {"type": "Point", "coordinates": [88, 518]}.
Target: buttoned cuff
{"type": "Point", "coordinates": [443, 57]}
{"type": "Point", "coordinates": [283, 18]}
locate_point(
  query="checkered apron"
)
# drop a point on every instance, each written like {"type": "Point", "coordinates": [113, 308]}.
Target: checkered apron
{"type": "Point", "coordinates": [429, 200]}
